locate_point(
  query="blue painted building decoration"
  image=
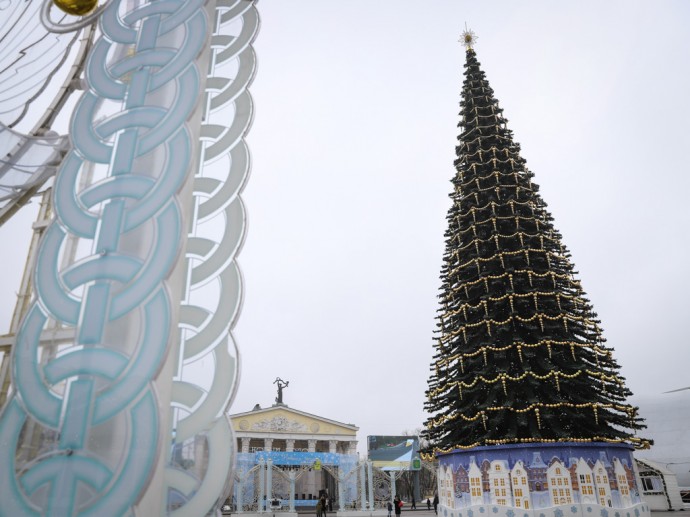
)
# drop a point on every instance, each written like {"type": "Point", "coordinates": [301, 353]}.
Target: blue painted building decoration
{"type": "Point", "coordinates": [285, 463]}
{"type": "Point", "coordinates": [539, 476]}
{"type": "Point", "coordinates": [298, 458]}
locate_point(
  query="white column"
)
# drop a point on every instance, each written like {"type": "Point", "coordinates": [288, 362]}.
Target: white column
{"type": "Point", "coordinates": [312, 445]}
{"type": "Point", "coordinates": [352, 448]}
{"type": "Point", "coordinates": [268, 444]}
{"type": "Point", "coordinates": [341, 482]}
{"type": "Point", "coordinates": [245, 444]}
{"type": "Point", "coordinates": [392, 475]}
{"type": "Point", "coordinates": [362, 489]}
{"type": "Point", "coordinates": [292, 475]}
{"type": "Point", "coordinates": [262, 485]}
{"type": "Point", "coordinates": [269, 481]}
{"type": "Point", "coordinates": [332, 445]}
{"type": "Point", "coordinates": [239, 491]}
{"type": "Point", "coordinates": [289, 445]}
{"type": "Point", "coordinates": [371, 486]}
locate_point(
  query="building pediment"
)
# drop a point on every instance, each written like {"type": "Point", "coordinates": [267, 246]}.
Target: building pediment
{"type": "Point", "coordinates": [282, 419]}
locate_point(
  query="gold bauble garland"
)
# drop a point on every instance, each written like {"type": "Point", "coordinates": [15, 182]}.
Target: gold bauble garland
{"type": "Point", "coordinates": [638, 443]}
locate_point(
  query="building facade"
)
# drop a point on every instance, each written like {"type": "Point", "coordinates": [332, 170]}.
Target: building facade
{"type": "Point", "coordinates": [291, 457]}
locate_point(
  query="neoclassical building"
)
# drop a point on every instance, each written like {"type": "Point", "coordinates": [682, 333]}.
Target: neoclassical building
{"type": "Point", "coordinates": [280, 428]}
{"type": "Point", "coordinates": [292, 456]}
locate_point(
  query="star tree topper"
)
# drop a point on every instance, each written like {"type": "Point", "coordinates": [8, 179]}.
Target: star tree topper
{"type": "Point", "coordinates": [468, 38]}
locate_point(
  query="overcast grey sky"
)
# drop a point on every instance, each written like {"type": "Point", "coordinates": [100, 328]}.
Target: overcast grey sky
{"type": "Point", "coordinates": [353, 146]}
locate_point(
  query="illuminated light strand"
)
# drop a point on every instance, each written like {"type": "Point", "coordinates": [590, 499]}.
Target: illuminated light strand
{"type": "Point", "coordinates": [487, 169]}
{"type": "Point", "coordinates": [454, 312]}
{"type": "Point", "coordinates": [446, 336]}
{"type": "Point", "coordinates": [526, 252]}
{"type": "Point", "coordinates": [435, 422]}
{"type": "Point", "coordinates": [446, 361]}
{"type": "Point", "coordinates": [467, 143]}
{"type": "Point", "coordinates": [498, 118]}
{"type": "Point", "coordinates": [512, 158]}
{"type": "Point", "coordinates": [477, 189]}
{"type": "Point", "coordinates": [478, 115]}
{"type": "Point", "coordinates": [503, 377]}
{"type": "Point", "coordinates": [464, 134]}
{"type": "Point", "coordinates": [473, 93]}
{"type": "Point", "coordinates": [493, 348]}
{"type": "Point", "coordinates": [493, 205]}
{"type": "Point", "coordinates": [468, 124]}
{"type": "Point", "coordinates": [466, 137]}
{"type": "Point", "coordinates": [464, 184]}
{"type": "Point", "coordinates": [497, 218]}
{"type": "Point", "coordinates": [493, 106]}
{"type": "Point", "coordinates": [639, 443]}
{"type": "Point", "coordinates": [488, 166]}
{"type": "Point", "coordinates": [494, 173]}
{"type": "Point", "coordinates": [574, 282]}
{"type": "Point", "coordinates": [520, 234]}
{"type": "Point", "coordinates": [473, 227]}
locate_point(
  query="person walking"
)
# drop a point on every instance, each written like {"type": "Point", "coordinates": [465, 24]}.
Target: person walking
{"type": "Point", "coordinates": [428, 503]}
{"type": "Point", "coordinates": [398, 504]}
{"type": "Point", "coordinates": [319, 508]}
{"type": "Point", "coordinates": [390, 509]}
{"type": "Point", "coordinates": [324, 505]}
{"type": "Point", "coordinates": [413, 506]}
{"type": "Point", "coordinates": [436, 504]}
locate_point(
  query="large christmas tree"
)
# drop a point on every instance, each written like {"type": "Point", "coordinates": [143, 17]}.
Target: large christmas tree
{"type": "Point", "coordinates": [519, 354]}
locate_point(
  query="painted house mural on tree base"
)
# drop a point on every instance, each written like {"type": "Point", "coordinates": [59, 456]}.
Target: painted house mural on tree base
{"type": "Point", "coordinates": [541, 480]}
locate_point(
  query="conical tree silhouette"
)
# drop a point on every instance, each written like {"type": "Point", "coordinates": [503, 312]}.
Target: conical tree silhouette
{"type": "Point", "coordinates": [519, 355]}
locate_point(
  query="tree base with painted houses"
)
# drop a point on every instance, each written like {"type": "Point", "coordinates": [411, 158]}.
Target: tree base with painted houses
{"type": "Point", "coordinates": [561, 479]}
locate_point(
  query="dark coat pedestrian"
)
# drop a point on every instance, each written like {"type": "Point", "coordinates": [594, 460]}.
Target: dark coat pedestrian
{"type": "Point", "coordinates": [390, 508]}
{"type": "Point", "coordinates": [398, 504]}
{"type": "Point", "coordinates": [428, 503]}
{"type": "Point", "coordinates": [436, 504]}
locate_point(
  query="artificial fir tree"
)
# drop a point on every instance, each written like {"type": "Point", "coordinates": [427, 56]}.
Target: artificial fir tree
{"type": "Point", "coordinates": [519, 354]}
